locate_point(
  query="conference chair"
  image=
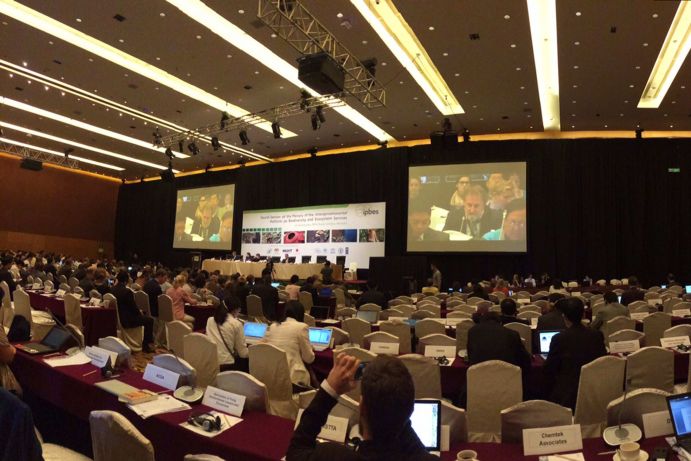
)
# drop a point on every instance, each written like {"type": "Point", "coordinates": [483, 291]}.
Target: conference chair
{"type": "Point", "coordinates": [423, 314]}
{"type": "Point", "coordinates": [679, 330]}
{"type": "Point", "coordinates": [459, 315]}
{"type": "Point", "coordinates": [405, 299]}
{"type": "Point", "coordinates": [417, 296]}
{"type": "Point", "coordinates": [255, 310]}
{"type": "Point", "coordinates": [426, 327]}
{"type": "Point", "coordinates": [30, 279]}
{"type": "Point", "coordinates": [357, 329]}
{"type": "Point", "coordinates": [114, 438]}
{"type": "Point", "coordinates": [346, 407]}
{"type": "Point", "coordinates": [627, 335]}
{"type": "Point", "coordinates": [425, 373]}
{"type": "Point", "coordinates": [62, 279]}
{"type": "Point", "coordinates": [237, 382]}
{"type": "Point", "coordinates": [601, 381]}
{"type": "Point", "coordinates": [433, 308]}
{"type": "Point", "coordinates": [494, 308]}
{"type": "Point", "coordinates": [378, 337]}
{"type": "Point", "coordinates": [401, 331]}
{"type": "Point", "coordinates": [455, 419]}
{"type": "Point", "coordinates": [618, 323]}
{"type": "Point", "coordinates": [615, 282]}
{"type": "Point", "coordinates": [638, 403]}
{"type": "Point", "coordinates": [77, 333]}
{"type": "Point", "coordinates": [283, 296]}
{"type": "Point", "coordinates": [492, 386]}
{"type": "Point", "coordinates": [669, 304]}
{"type": "Point", "coordinates": [530, 308]}
{"type": "Point", "coordinates": [473, 300]}
{"type": "Point", "coordinates": [95, 294]}
{"type": "Point", "coordinates": [310, 321]}
{"type": "Point", "coordinates": [48, 285]}
{"type": "Point", "coordinates": [73, 311]}
{"type": "Point", "coordinates": [462, 328]}
{"type": "Point", "coordinates": [596, 306]}
{"type": "Point", "coordinates": [487, 305]}
{"type": "Point", "coordinates": [141, 299]}
{"type": "Point", "coordinates": [78, 291]}
{"type": "Point", "coordinates": [133, 337]}
{"type": "Point", "coordinates": [636, 304]}
{"type": "Point", "coordinates": [345, 313]}
{"type": "Point", "coordinates": [165, 315]}
{"type": "Point", "coordinates": [433, 298]}
{"type": "Point", "coordinates": [201, 352]}
{"type": "Point", "coordinates": [305, 298]}
{"type": "Point", "coordinates": [466, 308]}
{"type": "Point", "coordinates": [269, 364]}
{"type": "Point", "coordinates": [6, 307]}
{"type": "Point", "coordinates": [529, 415]}
{"type": "Point", "coordinates": [40, 322]}
{"type": "Point", "coordinates": [527, 315]}
{"type": "Point", "coordinates": [652, 293]}
{"type": "Point", "coordinates": [676, 289]}
{"type": "Point", "coordinates": [188, 375]}
{"type": "Point", "coordinates": [651, 367]}
{"type": "Point", "coordinates": [107, 298]}
{"type": "Point", "coordinates": [213, 300]}
{"type": "Point", "coordinates": [654, 327]}
{"type": "Point", "coordinates": [370, 307]}
{"type": "Point", "coordinates": [523, 294]}
{"type": "Point", "coordinates": [640, 309]}
{"type": "Point", "coordinates": [407, 309]}
{"type": "Point", "coordinates": [65, 287]}
{"type": "Point", "coordinates": [364, 356]}
{"type": "Point", "coordinates": [496, 297]}
{"type": "Point", "coordinates": [340, 297]}
{"type": "Point", "coordinates": [73, 282]}
{"type": "Point", "coordinates": [525, 332]}
{"type": "Point", "coordinates": [453, 302]}
{"type": "Point", "coordinates": [202, 457]}
{"type": "Point", "coordinates": [395, 302]}
{"type": "Point", "coordinates": [435, 339]}
{"type": "Point", "coordinates": [339, 336]}
{"type": "Point", "coordinates": [391, 312]}
{"type": "Point", "coordinates": [176, 332]}
{"type": "Point", "coordinates": [542, 304]}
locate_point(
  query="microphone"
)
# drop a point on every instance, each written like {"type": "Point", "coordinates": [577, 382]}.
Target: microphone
{"type": "Point", "coordinates": [188, 393]}
{"type": "Point", "coordinates": [622, 433]}
{"type": "Point", "coordinates": [501, 232]}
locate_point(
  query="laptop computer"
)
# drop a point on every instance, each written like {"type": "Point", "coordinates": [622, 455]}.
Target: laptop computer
{"type": "Point", "coordinates": [426, 422]}
{"type": "Point", "coordinates": [687, 288]}
{"type": "Point", "coordinates": [254, 332]}
{"type": "Point", "coordinates": [320, 338]}
{"type": "Point", "coordinates": [368, 316]}
{"type": "Point", "coordinates": [680, 412]}
{"type": "Point", "coordinates": [545, 339]}
{"type": "Point", "coordinates": [52, 342]}
{"type": "Point", "coordinates": [326, 292]}
{"type": "Point", "coordinates": [275, 284]}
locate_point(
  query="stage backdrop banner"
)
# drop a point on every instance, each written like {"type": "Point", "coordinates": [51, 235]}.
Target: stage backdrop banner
{"type": "Point", "coordinates": [354, 231]}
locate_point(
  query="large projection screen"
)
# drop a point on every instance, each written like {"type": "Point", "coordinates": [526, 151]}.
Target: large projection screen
{"type": "Point", "coordinates": [355, 232]}
{"type": "Point", "coordinates": [472, 207]}
{"type": "Point", "coordinates": [204, 218]}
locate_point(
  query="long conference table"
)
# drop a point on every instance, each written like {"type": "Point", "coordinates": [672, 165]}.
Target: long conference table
{"type": "Point", "coordinates": [259, 437]}
{"type": "Point", "coordinates": [282, 271]}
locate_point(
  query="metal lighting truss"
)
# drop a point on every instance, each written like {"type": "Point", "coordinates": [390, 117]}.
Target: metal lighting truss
{"type": "Point", "coordinates": [291, 21]}
{"type": "Point", "coordinates": [277, 113]}
{"type": "Point", "coordinates": [39, 156]}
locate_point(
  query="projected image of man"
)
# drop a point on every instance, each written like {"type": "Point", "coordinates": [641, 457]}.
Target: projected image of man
{"type": "Point", "coordinates": [475, 219]}
{"type": "Point", "coordinates": [514, 225]}
{"type": "Point", "coordinates": [179, 235]}
{"type": "Point", "coordinates": [419, 218]}
{"type": "Point", "coordinates": [414, 186]}
{"type": "Point", "coordinates": [225, 230]}
{"type": "Point", "coordinates": [208, 224]}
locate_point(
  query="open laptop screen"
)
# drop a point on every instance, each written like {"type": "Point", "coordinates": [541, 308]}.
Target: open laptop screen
{"type": "Point", "coordinates": [255, 330]}
{"type": "Point", "coordinates": [546, 340]}
{"type": "Point", "coordinates": [320, 336]}
{"type": "Point", "coordinates": [367, 316]}
{"type": "Point", "coordinates": [680, 410]}
{"type": "Point", "coordinates": [426, 422]}
{"type": "Point", "coordinates": [56, 338]}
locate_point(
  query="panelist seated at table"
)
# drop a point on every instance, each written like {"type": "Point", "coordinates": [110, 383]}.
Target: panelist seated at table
{"type": "Point", "coordinates": [227, 332]}
{"type": "Point", "coordinates": [129, 313]}
{"type": "Point", "coordinates": [387, 402]}
{"type": "Point", "coordinates": [292, 335]}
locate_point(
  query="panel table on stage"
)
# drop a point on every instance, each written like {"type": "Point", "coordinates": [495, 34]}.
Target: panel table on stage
{"type": "Point", "coordinates": [98, 322]}
{"type": "Point", "coordinates": [281, 271]}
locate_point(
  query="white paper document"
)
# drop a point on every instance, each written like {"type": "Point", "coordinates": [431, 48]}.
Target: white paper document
{"type": "Point", "coordinates": [80, 358]}
{"type": "Point", "coordinates": [163, 404]}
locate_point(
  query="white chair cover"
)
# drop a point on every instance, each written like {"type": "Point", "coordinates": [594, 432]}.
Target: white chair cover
{"type": "Point", "coordinates": [433, 308]}
{"type": "Point", "coordinates": [619, 323]}
{"type": "Point", "coordinates": [114, 438]}
{"type": "Point", "coordinates": [188, 375]}
{"type": "Point", "coordinates": [636, 304]}
{"type": "Point", "coordinates": [269, 364]}
{"type": "Point", "coordinates": [423, 314]}
{"type": "Point", "coordinates": [77, 334]}
{"type": "Point", "coordinates": [379, 337]}
{"type": "Point", "coordinates": [527, 315]}
{"type": "Point", "coordinates": [201, 353]}
{"type": "Point", "coordinates": [73, 282]}
{"type": "Point", "coordinates": [679, 330]}
{"type": "Point", "coordinates": [426, 375]}
{"type": "Point", "coordinates": [492, 386]}
{"type": "Point", "coordinates": [345, 407]}
{"type": "Point", "coordinates": [255, 310]}
{"type": "Point", "coordinates": [602, 381]}
{"type": "Point", "coordinates": [339, 336]}
{"type": "Point", "coordinates": [462, 334]}
{"type": "Point", "coordinates": [165, 308]}
{"type": "Point", "coordinates": [310, 321]}
{"type": "Point", "coordinates": [473, 300]}
{"type": "Point", "coordinates": [133, 337]}
{"type": "Point", "coordinates": [364, 356]}
{"type": "Point", "coordinates": [53, 452]}
{"type": "Point", "coordinates": [345, 312]}
{"type": "Point", "coordinates": [41, 322]}
{"type": "Point", "coordinates": [340, 297]}
{"type": "Point", "coordinates": [654, 326]}
{"type": "Point", "coordinates": [531, 414]}
{"type": "Point", "coordinates": [141, 299]}
{"type": "Point", "coordinates": [305, 298]}
{"type": "Point", "coordinates": [176, 331]}
{"type": "Point", "coordinates": [530, 307]}
{"type": "Point", "coordinates": [401, 331]}
{"type": "Point", "coordinates": [435, 339]}
{"type": "Point", "coordinates": [202, 457]}
{"type": "Point", "coordinates": [73, 311]}
{"type": "Point", "coordinates": [638, 403]}
{"type": "Point", "coordinates": [455, 418]}
{"type": "Point", "coordinates": [256, 396]}
{"type": "Point", "coordinates": [407, 309]}
{"type": "Point", "coordinates": [427, 327]}
{"type": "Point", "coordinates": [458, 314]}
{"type": "Point", "coordinates": [627, 335]}
{"type": "Point", "coordinates": [357, 329]}
{"type": "Point", "coordinates": [651, 367]}
{"type": "Point", "coordinates": [78, 291]}
{"type": "Point", "coordinates": [525, 332]}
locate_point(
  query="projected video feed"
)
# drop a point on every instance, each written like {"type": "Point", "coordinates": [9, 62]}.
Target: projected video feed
{"type": "Point", "coordinates": [478, 207]}
{"type": "Point", "coordinates": [204, 218]}
{"type": "Point", "coordinates": [350, 232]}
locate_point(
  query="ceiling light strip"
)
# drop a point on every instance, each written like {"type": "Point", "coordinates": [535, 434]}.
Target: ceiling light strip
{"type": "Point", "coordinates": [672, 55]}
{"type": "Point", "coordinates": [399, 37]}
{"type": "Point", "coordinates": [200, 12]}
{"type": "Point", "coordinates": [61, 154]}
{"type": "Point", "coordinates": [64, 32]}
{"type": "Point", "coordinates": [543, 32]}
{"type": "Point", "coordinates": [85, 126]}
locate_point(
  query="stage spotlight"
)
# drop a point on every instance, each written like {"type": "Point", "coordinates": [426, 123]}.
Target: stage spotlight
{"type": "Point", "coordinates": [181, 145]}
{"type": "Point", "coordinates": [315, 122]}
{"type": "Point", "coordinates": [68, 151]}
{"type": "Point", "coordinates": [370, 65]}
{"type": "Point", "coordinates": [169, 153]}
{"type": "Point", "coordinates": [466, 135]}
{"type": "Point", "coordinates": [242, 162]}
{"type": "Point", "coordinates": [276, 128]}
{"type": "Point", "coordinates": [224, 120]}
{"type": "Point", "coordinates": [304, 96]}
{"type": "Point", "coordinates": [244, 138]}
{"type": "Point", "coordinates": [158, 139]}
{"type": "Point", "coordinates": [383, 144]}
{"type": "Point", "coordinates": [215, 143]}
{"type": "Point", "coordinates": [320, 114]}
{"type": "Point", "coordinates": [639, 133]}
{"type": "Point", "coordinates": [313, 152]}
{"type": "Point", "coordinates": [193, 148]}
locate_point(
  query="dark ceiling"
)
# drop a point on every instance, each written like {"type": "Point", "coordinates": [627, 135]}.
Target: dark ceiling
{"type": "Point", "coordinates": [602, 73]}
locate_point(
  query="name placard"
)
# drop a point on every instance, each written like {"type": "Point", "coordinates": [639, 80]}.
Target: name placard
{"type": "Point", "coordinates": [99, 356]}
{"type": "Point", "coordinates": [654, 302]}
{"type": "Point", "coordinates": [453, 321]}
{"type": "Point", "coordinates": [548, 440]}
{"type": "Point", "coordinates": [441, 351]}
{"type": "Point", "coordinates": [575, 293]}
{"type": "Point", "coordinates": [533, 323]}
{"type": "Point", "coordinates": [674, 341]}
{"type": "Point", "coordinates": [94, 302]}
{"type": "Point", "coordinates": [60, 293]}
{"type": "Point", "coordinates": [657, 424]}
{"type": "Point", "coordinates": [335, 428]}
{"type": "Point", "coordinates": [523, 300]}
{"type": "Point", "coordinates": [398, 319]}
{"type": "Point", "coordinates": [616, 347]}
{"type": "Point", "coordinates": [384, 348]}
{"type": "Point", "coordinates": [36, 286]}
{"type": "Point", "coordinates": [161, 376]}
{"type": "Point", "coordinates": [639, 315]}
{"type": "Point", "coordinates": [681, 312]}
{"type": "Point", "coordinates": [224, 401]}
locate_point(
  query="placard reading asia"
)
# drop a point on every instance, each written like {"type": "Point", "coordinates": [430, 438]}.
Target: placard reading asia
{"type": "Point", "coordinates": [355, 231]}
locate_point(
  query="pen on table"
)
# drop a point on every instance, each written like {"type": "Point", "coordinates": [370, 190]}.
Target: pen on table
{"type": "Point", "coordinates": [607, 452]}
{"type": "Point", "coordinates": [53, 354]}
{"type": "Point", "coordinates": [89, 373]}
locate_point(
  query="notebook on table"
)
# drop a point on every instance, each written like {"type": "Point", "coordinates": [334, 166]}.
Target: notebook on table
{"type": "Point", "coordinates": [546, 341]}
{"type": "Point", "coordinates": [52, 342]}
{"type": "Point", "coordinates": [254, 332]}
{"type": "Point", "coordinates": [320, 338]}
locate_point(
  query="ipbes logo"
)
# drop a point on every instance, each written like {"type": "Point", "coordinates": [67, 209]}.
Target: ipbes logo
{"type": "Point", "coordinates": [364, 212]}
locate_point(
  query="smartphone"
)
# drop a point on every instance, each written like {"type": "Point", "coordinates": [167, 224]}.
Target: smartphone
{"type": "Point", "coordinates": [510, 292]}
{"type": "Point", "coordinates": [360, 370]}
{"type": "Point", "coordinates": [450, 290]}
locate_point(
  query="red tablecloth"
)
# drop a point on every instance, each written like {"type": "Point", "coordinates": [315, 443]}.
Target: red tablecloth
{"type": "Point", "coordinates": [258, 437]}
{"type": "Point", "coordinates": [98, 321]}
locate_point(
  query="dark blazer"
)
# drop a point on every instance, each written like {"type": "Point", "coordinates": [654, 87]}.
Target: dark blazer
{"type": "Point", "coordinates": [269, 296]}
{"type": "Point", "coordinates": [551, 321]}
{"type": "Point", "coordinates": [372, 296]}
{"type": "Point", "coordinates": [456, 221]}
{"type": "Point", "coordinates": [569, 351]}
{"type": "Point", "coordinates": [127, 308]}
{"type": "Point", "coordinates": [631, 295]}
{"type": "Point", "coordinates": [6, 276]}
{"type": "Point", "coordinates": [508, 319]}
{"type": "Point", "coordinates": [153, 289]}
{"type": "Point", "coordinates": [431, 235]}
{"type": "Point", "coordinates": [489, 340]}
{"type": "Point", "coordinates": [304, 446]}
{"type": "Point", "coordinates": [214, 227]}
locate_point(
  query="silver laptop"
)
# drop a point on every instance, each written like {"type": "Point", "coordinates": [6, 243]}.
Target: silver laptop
{"type": "Point", "coordinates": [546, 341]}
{"type": "Point", "coordinates": [680, 412]}
{"type": "Point", "coordinates": [368, 316]}
{"type": "Point", "coordinates": [320, 338]}
{"type": "Point", "coordinates": [426, 422]}
{"type": "Point", "coordinates": [254, 332]}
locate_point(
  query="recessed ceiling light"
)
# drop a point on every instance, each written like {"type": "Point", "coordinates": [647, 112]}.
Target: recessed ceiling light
{"type": "Point", "coordinates": [522, 88]}
{"type": "Point", "coordinates": [638, 67]}
{"type": "Point", "coordinates": [431, 28]}
{"type": "Point", "coordinates": [11, 75]}
{"type": "Point", "coordinates": [274, 35]}
{"type": "Point", "coordinates": [339, 15]}
{"type": "Point", "coordinates": [630, 86]}
{"type": "Point", "coordinates": [29, 82]}
{"type": "Point", "coordinates": [683, 87]}
{"type": "Point", "coordinates": [655, 15]}
{"type": "Point", "coordinates": [621, 115]}
{"type": "Point", "coordinates": [79, 19]}
{"type": "Point", "coordinates": [46, 87]}
{"type": "Point", "coordinates": [525, 103]}
{"type": "Point", "coordinates": [506, 16]}
{"type": "Point", "coordinates": [605, 126]}
{"type": "Point", "coordinates": [513, 45]}
{"type": "Point", "coordinates": [24, 63]}
{"type": "Point", "coordinates": [518, 68]}
{"type": "Point", "coordinates": [575, 67]}
{"type": "Point", "coordinates": [199, 37]}
{"type": "Point", "coordinates": [256, 72]}
{"type": "Point", "coordinates": [158, 58]}
{"type": "Point", "coordinates": [50, 42]}
{"type": "Point", "coordinates": [645, 44]}
{"type": "Point", "coordinates": [578, 13]}
{"type": "Point", "coordinates": [384, 63]}
{"type": "Point", "coordinates": [456, 74]}
{"type": "Point", "coordinates": [575, 86]}
{"type": "Point", "coordinates": [576, 43]}
{"type": "Point", "coordinates": [121, 40]}
{"type": "Point", "coordinates": [671, 126]}
{"type": "Point", "coordinates": [229, 56]}
{"type": "Point", "coordinates": [401, 82]}
{"type": "Point", "coordinates": [674, 102]}
{"type": "Point", "coordinates": [626, 101]}
{"type": "Point", "coordinates": [241, 11]}
{"type": "Point", "coordinates": [163, 15]}
{"type": "Point", "coordinates": [62, 93]}
{"type": "Point", "coordinates": [445, 54]}
{"type": "Point", "coordinates": [364, 42]}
